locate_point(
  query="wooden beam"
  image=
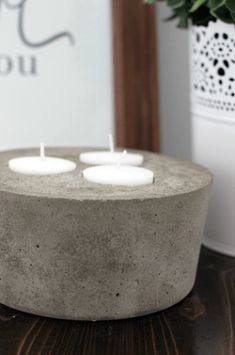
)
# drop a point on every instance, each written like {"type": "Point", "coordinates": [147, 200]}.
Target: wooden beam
{"type": "Point", "coordinates": [135, 75]}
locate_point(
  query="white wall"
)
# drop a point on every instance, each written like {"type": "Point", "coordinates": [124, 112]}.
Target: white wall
{"type": "Point", "coordinates": [69, 99]}
{"type": "Point", "coordinates": [174, 86]}
{"type": "Point", "coordinates": [86, 118]}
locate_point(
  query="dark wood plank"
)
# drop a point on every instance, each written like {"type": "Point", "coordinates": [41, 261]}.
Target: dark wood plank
{"type": "Point", "coordinates": [135, 75]}
{"type": "Point", "coordinates": [202, 324]}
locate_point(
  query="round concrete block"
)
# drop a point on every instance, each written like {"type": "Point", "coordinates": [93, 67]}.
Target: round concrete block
{"type": "Point", "coordinates": [76, 250]}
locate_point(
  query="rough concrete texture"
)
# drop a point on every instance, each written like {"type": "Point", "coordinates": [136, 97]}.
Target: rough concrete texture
{"type": "Point", "coordinates": [75, 250]}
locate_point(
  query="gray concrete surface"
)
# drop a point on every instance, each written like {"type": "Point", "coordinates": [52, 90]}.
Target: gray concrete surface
{"type": "Point", "coordinates": [76, 250]}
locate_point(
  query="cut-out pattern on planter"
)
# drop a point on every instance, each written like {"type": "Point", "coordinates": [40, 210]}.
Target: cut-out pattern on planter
{"type": "Point", "coordinates": [213, 69]}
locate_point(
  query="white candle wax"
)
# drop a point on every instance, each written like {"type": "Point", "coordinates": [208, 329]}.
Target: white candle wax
{"type": "Point", "coordinates": [111, 157]}
{"type": "Point", "coordinates": [41, 165]}
{"type": "Point", "coordinates": [119, 175]}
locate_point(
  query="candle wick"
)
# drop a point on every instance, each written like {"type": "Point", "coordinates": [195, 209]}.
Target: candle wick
{"type": "Point", "coordinates": [120, 158]}
{"type": "Point", "coordinates": [42, 151]}
{"type": "Point", "coordinates": [111, 143]}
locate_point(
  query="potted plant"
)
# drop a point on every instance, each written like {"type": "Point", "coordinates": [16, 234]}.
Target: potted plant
{"type": "Point", "coordinates": [212, 34]}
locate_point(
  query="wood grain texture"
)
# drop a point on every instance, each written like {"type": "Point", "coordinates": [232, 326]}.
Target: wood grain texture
{"type": "Point", "coordinates": [202, 324]}
{"type": "Point", "coordinates": [135, 75]}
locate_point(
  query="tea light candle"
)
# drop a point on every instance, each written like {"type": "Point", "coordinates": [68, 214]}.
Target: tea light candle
{"type": "Point", "coordinates": [41, 165]}
{"type": "Point", "coordinates": [111, 157]}
{"type": "Point", "coordinates": [119, 175]}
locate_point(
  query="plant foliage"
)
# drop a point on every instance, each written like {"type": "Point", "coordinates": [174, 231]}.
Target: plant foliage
{"type": "Point", "coordinates": [200, 12]}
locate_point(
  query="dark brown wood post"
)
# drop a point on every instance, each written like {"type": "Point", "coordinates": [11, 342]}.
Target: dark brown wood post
{"type": "Point", "coordinates": [135, 75]}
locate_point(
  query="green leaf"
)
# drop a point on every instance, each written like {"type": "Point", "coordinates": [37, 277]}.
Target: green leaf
{"type": "Point", "coordinates": [233, 16]}
{"type": "Point", "coordinates": [183, 22]}
{"type": "Point", "coordinates": [196, 5]}
{"type": "Point", "coordinates": [183, 15]}
{"type": "Point", "coordinates": [200, 12]}
{"type": "Point", "coordinates": [230, 4]}
{"type": "Point", "coordinates": [174, 4]}
{"type": "Point", "coordinates": [215, 4]}
{"type": "Point", "coordinates": [223, 14]}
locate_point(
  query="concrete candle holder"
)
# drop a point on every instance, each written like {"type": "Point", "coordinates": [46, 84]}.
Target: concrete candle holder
{"type": "Point", "coordinates": [76, 250]}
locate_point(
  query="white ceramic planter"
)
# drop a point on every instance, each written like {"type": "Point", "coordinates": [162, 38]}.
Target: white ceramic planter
{"type": "Point", "coordinates": [213, 122]}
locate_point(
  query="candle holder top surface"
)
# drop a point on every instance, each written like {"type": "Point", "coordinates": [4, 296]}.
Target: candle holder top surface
{"type": "Point", "coordinates": [171, 177]}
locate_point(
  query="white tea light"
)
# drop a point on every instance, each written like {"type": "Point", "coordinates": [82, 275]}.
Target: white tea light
{"type": "Point", "coordinates": [111, 157]}
{"type": "Point", "coordinates": [41, 165]}
{"type": "Point", "coordinates": [119, 175]}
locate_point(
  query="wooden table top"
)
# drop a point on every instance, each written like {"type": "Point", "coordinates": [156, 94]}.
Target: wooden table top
{"type": "Point", "coordinates": [202, 324]}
